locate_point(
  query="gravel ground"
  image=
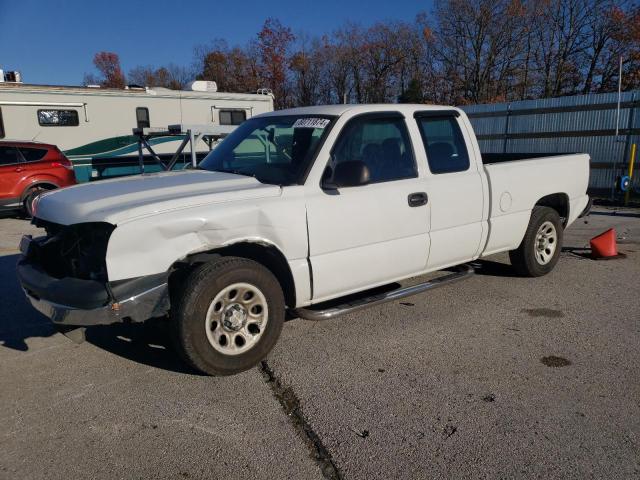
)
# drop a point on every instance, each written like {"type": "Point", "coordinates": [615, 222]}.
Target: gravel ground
{"type": "Point", "coordinates": [497, 376]}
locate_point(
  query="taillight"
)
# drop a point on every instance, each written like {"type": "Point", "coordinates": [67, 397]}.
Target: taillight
{"type": "Point", "coordinates": [63, 163]}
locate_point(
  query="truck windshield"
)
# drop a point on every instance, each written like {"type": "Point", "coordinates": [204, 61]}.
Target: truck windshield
{"type": "Point", "coordinates": [276, 149]}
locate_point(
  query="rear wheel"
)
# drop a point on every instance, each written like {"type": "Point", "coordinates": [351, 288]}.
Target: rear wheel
{"type": "Point", "coordinates": [540, 248]}
{"type": "Point", "coordinates": [227, 316]}
{"type": "Point", "coordinates": [29, 197]}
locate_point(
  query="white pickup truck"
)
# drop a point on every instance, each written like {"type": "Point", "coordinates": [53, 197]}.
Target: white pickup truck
{"type": "Point", "coordinates": [302, 211]}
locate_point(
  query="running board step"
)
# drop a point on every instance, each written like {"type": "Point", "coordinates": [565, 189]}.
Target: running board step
{"type": "Point", "coordinates": [310, 313]}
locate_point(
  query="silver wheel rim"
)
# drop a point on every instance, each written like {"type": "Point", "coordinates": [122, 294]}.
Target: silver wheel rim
{"type": "Point", "coordinates": [236, 318]}
{"type": "Point", "coordinates": [546, 243]}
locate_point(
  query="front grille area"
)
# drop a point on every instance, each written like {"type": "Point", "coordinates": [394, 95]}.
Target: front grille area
{"type": "Point", "coordinates": [75, 251]}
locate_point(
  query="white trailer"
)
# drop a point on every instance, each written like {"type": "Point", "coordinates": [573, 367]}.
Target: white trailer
{"type": "Point", "coordinates": [93, 126]}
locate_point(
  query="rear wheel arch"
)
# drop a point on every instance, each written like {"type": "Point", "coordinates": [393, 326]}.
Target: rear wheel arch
{"type": "Point", "coordinates": [268, 255]}
{"type": "Point", "coordinates": [559, 202]}
{"type": "Point", "coordinates": [42, 184]}
{"type": "Point", "coordinates": [31, 192]}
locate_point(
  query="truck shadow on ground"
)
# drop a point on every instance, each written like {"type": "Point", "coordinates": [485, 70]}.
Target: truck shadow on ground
{"type": "Point", "coordinates": [146, 343]}
{"type": "Point", "coordinates": [18, 320]}
{"type": "Point", "coordinates": [493, 268]}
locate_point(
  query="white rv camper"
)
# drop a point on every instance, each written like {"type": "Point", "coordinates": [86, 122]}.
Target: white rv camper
{"type": "Point", "coordinates": [93, 126]}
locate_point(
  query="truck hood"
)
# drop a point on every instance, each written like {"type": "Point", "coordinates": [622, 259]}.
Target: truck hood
{"type": "Point", "coordinates": [116, 201]}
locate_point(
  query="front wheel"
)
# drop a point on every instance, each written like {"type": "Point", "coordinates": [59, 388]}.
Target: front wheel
{"type": "Point", "coordinates": [540, 248]}
{"type": "Point", "coordinates": [227, 316]}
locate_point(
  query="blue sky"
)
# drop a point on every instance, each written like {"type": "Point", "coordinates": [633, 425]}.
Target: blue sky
{"type": "Point", "coordinates": [54, 42]}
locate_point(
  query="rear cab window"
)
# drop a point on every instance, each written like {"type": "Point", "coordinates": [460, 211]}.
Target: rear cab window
{"type": "Point", "coordinates": [443, 141]}
{"type": "Point", "coordinates": [382, 142]}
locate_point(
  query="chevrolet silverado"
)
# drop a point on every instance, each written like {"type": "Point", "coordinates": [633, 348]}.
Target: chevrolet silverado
{"type": "Point", "coordinates": [301, 212]}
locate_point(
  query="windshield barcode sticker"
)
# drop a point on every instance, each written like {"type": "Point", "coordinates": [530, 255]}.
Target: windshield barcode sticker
{"type": "Point", "coordinates": [311, 123]}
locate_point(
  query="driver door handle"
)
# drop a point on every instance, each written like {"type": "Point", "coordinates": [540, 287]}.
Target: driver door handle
{"type": "Point", "coordinates": [418, 199]}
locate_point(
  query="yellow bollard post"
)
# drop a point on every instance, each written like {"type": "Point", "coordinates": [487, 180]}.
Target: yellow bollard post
{"type": "Point", "coordinates": [632, 159]}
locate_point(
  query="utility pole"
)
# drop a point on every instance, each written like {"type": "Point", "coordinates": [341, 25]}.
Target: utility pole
{"type": "Point", "coordinates": [618, 139]}
{"type": "Point", "coordinates": [619, 95]}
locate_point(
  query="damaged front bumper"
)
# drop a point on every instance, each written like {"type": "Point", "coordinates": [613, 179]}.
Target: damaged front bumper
{"type": "Point", "coordinates": [76, 302]}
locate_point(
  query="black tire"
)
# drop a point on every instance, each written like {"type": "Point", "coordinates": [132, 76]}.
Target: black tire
{"type": "Point", "coordinates": [194, 298]}
{"type": "Point", "coordinates": [524, 259]}
{"type": "Point", "coordinates": [28, 198]}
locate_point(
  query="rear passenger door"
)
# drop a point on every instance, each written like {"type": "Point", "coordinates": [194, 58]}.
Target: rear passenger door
{"type": "Point", "coordinates": [368, 235]}
{"type": "Point", "coordinates": [11, 166]}
{"type": "Point", "coordinates": [454, 186]}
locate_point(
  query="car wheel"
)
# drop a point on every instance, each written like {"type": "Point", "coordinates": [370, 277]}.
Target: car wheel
{"type": "Point", "coordinates": [227, 315]}
{"type": "Point", "coordinates": [540, 249]}
{"type": "Point", "coordinates": [29, 197]}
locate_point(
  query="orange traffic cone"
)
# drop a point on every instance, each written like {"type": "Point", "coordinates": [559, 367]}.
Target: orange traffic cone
{"type": "Point", "coordinates": [604, 245]}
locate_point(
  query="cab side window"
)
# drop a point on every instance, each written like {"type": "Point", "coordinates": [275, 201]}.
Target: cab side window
{"type": "Point", "coordinates": [444, 143]}
{"type": "Point", "coordinates": [382, 143]}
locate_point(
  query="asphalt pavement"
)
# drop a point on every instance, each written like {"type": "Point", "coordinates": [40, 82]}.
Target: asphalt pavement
{"type": "Point", "coordinates": [494, 377]}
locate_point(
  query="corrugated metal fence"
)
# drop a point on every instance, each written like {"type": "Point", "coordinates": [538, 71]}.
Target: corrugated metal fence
{"type": "Point", "coordinates": [584, 123]}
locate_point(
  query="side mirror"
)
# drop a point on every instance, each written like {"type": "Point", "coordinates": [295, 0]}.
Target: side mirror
{"type": "Point", "coordinates": [349, 174]}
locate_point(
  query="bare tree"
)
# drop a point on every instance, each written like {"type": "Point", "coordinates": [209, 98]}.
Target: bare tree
{"type": "Point", "coordinates": [465, 51]}
{"type": "Point", "coordinates": [306, 66]}
{"type": "Point", "coordinates": [273, 44]}
{"type": "Point", "coordinates": [142, 76]}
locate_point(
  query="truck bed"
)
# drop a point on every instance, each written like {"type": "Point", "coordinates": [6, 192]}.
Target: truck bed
{"type": "Point", "coordinates": [518, 181]}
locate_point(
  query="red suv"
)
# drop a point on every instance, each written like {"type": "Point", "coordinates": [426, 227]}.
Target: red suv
{"type": "Point", "coordinates": [29, 168]}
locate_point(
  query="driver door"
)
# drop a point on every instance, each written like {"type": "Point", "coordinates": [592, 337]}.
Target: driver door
{"type": "Point", "coordinates": [368, 235]}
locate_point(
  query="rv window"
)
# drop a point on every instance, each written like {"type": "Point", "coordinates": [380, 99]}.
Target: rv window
{"type": "Point", "coordinates": [58, 118]}
{"type": "Point", "coordinates": [1, 125]}
{"type": "Point", "coordinates": [232, 117]}
{"type": "Point", "coordinates": [142, 117]}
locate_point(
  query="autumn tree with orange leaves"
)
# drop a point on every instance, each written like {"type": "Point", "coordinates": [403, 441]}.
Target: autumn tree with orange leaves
{"type": "Point", "coordinates": [108, 64]}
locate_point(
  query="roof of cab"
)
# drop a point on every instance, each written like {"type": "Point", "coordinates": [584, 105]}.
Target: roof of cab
{"type": "Point", "coordinates": [337, 110]}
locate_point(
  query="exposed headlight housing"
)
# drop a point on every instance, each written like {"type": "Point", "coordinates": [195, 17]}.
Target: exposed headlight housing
{"type": "Point", "coordinates": [75, 251]}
